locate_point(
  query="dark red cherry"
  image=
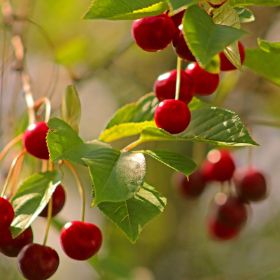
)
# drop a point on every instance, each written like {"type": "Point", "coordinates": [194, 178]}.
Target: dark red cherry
{"type": "Point", "coordinates": [165, 86]}
{"type": "Point", "coordinates": [181, 48]}
{"type": "Point", "coordinates": [6, 213]}
{"type": "Point", "coordinates": [223, 165]}
{"type": "Point", "coordinates": [220, 231]}
{"type": "Point", "coordinates": [10, 246]}
{"type": "Point", "coordinates": [38, 262]}
{"type": "Point", "coordinates": [192, 186]}
{"type": "Point", "coordinates": [207, 171]}
{"type": "Point", "coordinates": [80, 240]}
{"type": "Point", "coordinates": [172, 115]}
{"type": "Point", "coordinates": [232, 212]}
{"type": "Point", "coordinates": [153, 33]}
{"type": "Point", "coordinates": [177, 18]}
{"type": "Point", "coordinates": [34, 140]}
{"type": "Point", "coordinates": [250, 184]}
{"type": "Point", "coordinates": [205, 83]}
{"type": "Point", "coordinates": [58, 201]}
{"type": "Point", "coordinates": [226, 65]}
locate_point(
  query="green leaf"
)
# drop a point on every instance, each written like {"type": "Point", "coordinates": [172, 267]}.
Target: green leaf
{"type": "Point", "coordinates": [269, 46]}
{"type": "Point", "coordinates": [125, 9]}
{"type": "Point", "coordinates": [31, 198]}
{"type": "Point", "coordinates": [209, 124]}
{"type": "Point", "coordinates": [71, 107]}
{"type": "Point", "coordinates": [204, 37]}
{"type": "Point", "coordinates": [264, 63]}
{"type": "Point", "coordinates": [176, 4]}
{"type": "Point", "coordinates": [245, 15]}
{"type": "Point", "coordinates": [173, 160]}
{"type": "Point", "coordinates": [116, 176]}
{"type": "Point", "coordinates": [240, 3]}
{"type": "Point", "coordinates": [132, 215]}
{"type": "Point", "coordinates": [142, 110]}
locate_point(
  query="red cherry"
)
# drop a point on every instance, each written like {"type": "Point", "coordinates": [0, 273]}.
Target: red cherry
{"type": "Point", "coordinates": [177, 18]}
{"type": "Point", "coordinates": [80, 240]}
{"type": "Point", "coordinates": [232, 212]}
{"type": "Point", "coordinates": [58, 201]}
{"type": "Point", "coordinates": [226, 65]}
{"type": "Point", "coordinates": [34, 140]}
{"type": "Point", "coordinates": [223, 165]}
{"type": "Point", "coordinates": [11, 247]}
{"type": "Point", "coordinates": [250, 184]}
{"type": "Point", "coordinates": [153, 33]}
{"type": "Point", "coordinates": [165, 86]}
{"type": "Point", "coordinates": [207, 171]}
{"type": "Point", "coordinates": [38, 262]}
{"type": "Point", "coordinates": [181, 47]}
{"type": "Point", "coordinates": [172, 115]}
{"type": "Point", "coordinates": [205, 83]}
{"type": "Point", "coordinates": [193, 186]}
{"type": "Point", "coordinates": [7, 213]}
{"type": "Point", "coordinates": [220, 231]}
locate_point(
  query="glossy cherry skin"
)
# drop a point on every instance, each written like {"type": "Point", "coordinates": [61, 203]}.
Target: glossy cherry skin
{"type": "Point", "coordinates": [172, 115]}
{"type": "Point", "coordinates": [177, 18]}
{"type": "Point", "coordinates": [58, 201]}
{"type": "Point", "coordinates": [153, 33]}
{"type": "Point", "coordinates": [6, 213]}
{"type": "Point", "coordinates": [233, 212]}
{"type": "Point", "coordinates": [11, 247]}
{"type": "Point", "coordinates": [165, 86]}
{"type": "Point", "coordinates": [250, 184]}
{"type": "Point", "coordinates": [226, 65]}
{"type": "Point", "coordinates": [192, 186]}
{"type": "Point", "coordinates": [38, 262]}
{"type": "Point", "coordinates": [205, 83]}
{"type": "Point", "coordinates": [220, 231]}
{"type": "Point", "coordinates": [80, 240]}
{"type": "Point", "coordinates": [181, 48]}
{"type": "Point", "coordinates": [34, 140]}
{"type": "Point", "coordinates": [223, 165]}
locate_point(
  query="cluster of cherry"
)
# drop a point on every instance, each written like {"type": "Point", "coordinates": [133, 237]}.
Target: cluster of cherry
{"type": "Point", "coordinates": [79, 240]}
{"type": "Point", "coordinates": [155, 33]}
{"type": "Point", "coordinates": [229, 211]}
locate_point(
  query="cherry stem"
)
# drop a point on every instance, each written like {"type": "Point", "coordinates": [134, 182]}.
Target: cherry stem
{"type": "Point", "coordinates": [80, 187]}
{"type": "Point", "coordinates": [178, 80]}
{"type": "Point", "coordinates": [49, 220]}
{"type": "Point", "coordinates": [12, 143]}
{"type": "Point", "coordinates": [48, 107]}
{"type": "Point", "coordinates": [132, 145]}
{"type": "Point", "coordinates": [11, 171]}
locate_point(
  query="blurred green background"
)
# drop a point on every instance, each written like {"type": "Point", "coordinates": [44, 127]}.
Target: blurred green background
{"type": "Point", "coordinates": [109, 70]}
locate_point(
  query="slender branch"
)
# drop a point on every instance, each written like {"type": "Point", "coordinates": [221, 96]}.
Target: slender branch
{"type": "Point", "coordinates": [132, 145]}
{"type": "Point", "coordinates": [7, 148]}
{"type": "Point", "coordinates": [18, 47]}
{"type": "Point", "coordinates": [79, 185]}
{"type": "Point", "coordinates": [48, 107]}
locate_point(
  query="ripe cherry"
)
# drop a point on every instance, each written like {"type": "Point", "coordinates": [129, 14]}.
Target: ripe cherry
{"type": "Point", "coordinates": [165, 86]}
{"type": "Point", "coordinates": [177, 18]}
{"type": "Point", "coordinates": [10, 246]}
{"type": "Point", "coordinates": [220, 231]}
{"type": "Point", "coordinates": [226, 65]}
{"type": "Point", "coordinates": [34, 140]}
{"type": "Point", "coordinates": [38, 262]}
{"type": "Point", "coordinates": [7, 213]}
{"type": "Point", "coordinates": [223, 165]}
{"type": "Point", "coordinates": [181, 47]}
{"type": "Point", "coordinates": [205, 83]}
{"type": "Point", "coordinates": [231, 211]}
{"type": "Point", "coordinates": [172, 115]}
{"type": "Point", "coordinates": [153, 33]}
{"type": "Point", "coordinates": [250, 184]}
{"type": "Point", "coordinates": [80, 240]}
{"type": "Point", "coordinates": [58, 201]}
{"type": "Point", "coordinates": [193, 186]}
